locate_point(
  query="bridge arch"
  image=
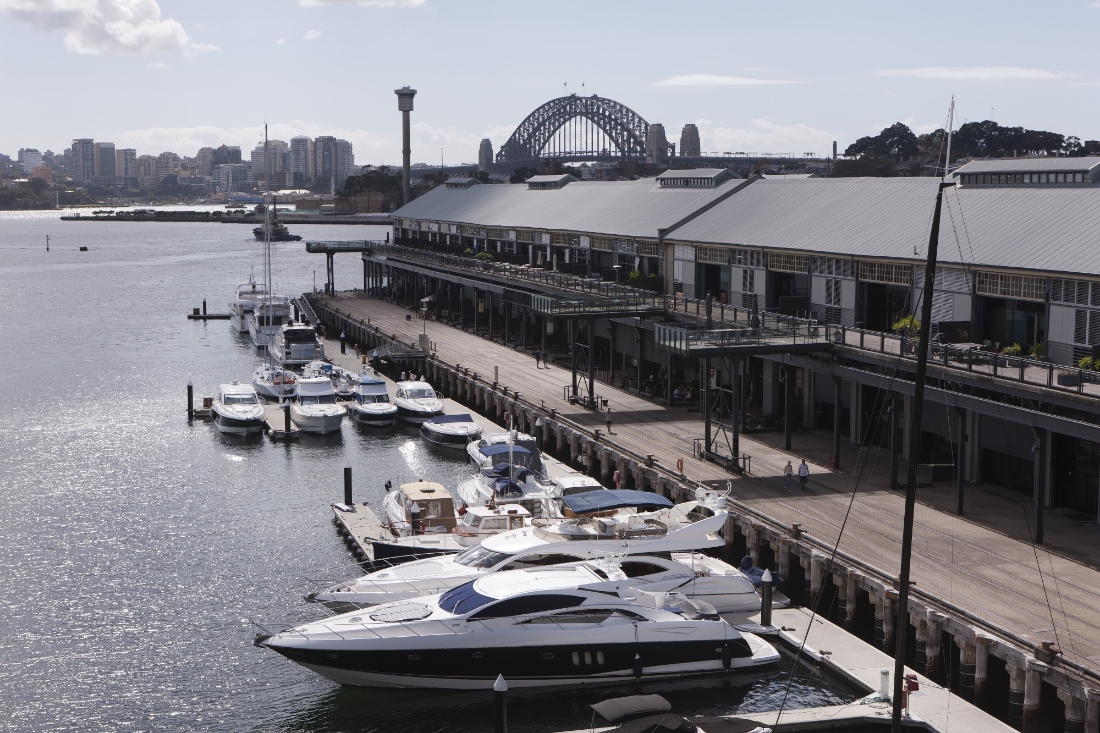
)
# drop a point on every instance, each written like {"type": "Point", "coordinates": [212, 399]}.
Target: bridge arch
{"type": "Point", "coordinates": [578, 128]}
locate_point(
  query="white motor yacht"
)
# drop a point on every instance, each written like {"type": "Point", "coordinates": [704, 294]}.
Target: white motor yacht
{"type": "Point", "coordinates": [450, 431]}
{"type": "Point", "coordinates": [416, 401]}
{"type": "Point", "coordinates": [538, 628]}
{"type": "Point", "coordinates": [236, 409]}
{"type": "Point", "coordinates": [317, 410]}
{"type": "Point", "coordinates": [478, 522]}
{"type": "Point", "coordinates": [296, 345]}
{"type": "Point", "coordinates": [568, 541]}
{"type": "Point", "coordinates": [243, 303]}
{"type": "Point", "coordinates": [275, 383]}
{"type": "Point", "coordinates": [270, 314]}
{"type": "Point", "coordinates": [493, 449]}
{"type": "Point", "coordinates": [343, 381]}
{"type": "Point", "coordinates": [418, 509]}
{"type": "Point", "coordinates": [371, 405]}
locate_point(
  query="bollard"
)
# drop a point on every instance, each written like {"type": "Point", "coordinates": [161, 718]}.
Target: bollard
{"type": "Point", "coordinates": [500, 705]}
{"type": "Point", "coordinates": [884, 684]}
{"type": "Point", "coordinates": [286, 418]}
{"type": "Point", "coordinates": [190, 400]}
{"type": "Point", "coordinates": [766, 598]}
{"type": "Point", "coordinates": [343, 343]}
{"type": "Point", "coordinates": [347, 483]}
{"type": "Point", "coordinates": [496, 374]}
{"type": "Point", "coordinates": [204, 306]}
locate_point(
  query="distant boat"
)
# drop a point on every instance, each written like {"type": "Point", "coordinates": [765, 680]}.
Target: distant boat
{"type": "Point", "coordinates": [279, 233]}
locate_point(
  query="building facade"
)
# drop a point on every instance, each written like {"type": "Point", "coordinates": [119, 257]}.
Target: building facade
{"type": "Point", "coordinates": [83, 161]}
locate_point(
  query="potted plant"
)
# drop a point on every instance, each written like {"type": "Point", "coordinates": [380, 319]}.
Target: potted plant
{"type": "Point", "coordinates": [1074, 377]}
{"type": "Point", "coordinates": [908, 327]}
{"type": "Point", "coordinates": [1012, 350]}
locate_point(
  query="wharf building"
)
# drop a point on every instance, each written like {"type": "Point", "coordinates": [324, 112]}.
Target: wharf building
{"type": "Point", "coordinates": [1017, 275]}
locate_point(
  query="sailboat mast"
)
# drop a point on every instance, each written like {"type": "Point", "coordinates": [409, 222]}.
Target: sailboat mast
{"type": "Point", "coordinates": [914, 455]}
{"type": "Point", "coordinates": [950, 129]}
{"type": "Point", "coordinates": [267, 218]}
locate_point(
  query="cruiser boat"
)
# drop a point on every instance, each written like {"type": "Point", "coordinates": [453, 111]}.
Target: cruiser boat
{"type": "Point", "coordinates": [317, 410]}
{"type": "Point", "coordinates": [268, 317]}
{"type": "Point", "coordinates": [420, 516]}
{"type": "Point", "coordinates": [278, 233]}
{"type": "Point", "coordinates": [488, 451]}
{"type": "Point", "coordinates": [568, 541]}
{"type": "Point", "coordinates": [343, 381]}
{"type": "Point", "coordinates": [450, 431]}
{"type": "Point", "coordinates": [372, 405]}
{"type": "Point", "coordinates": [517, 483]}
{"type": "Point", "coordinates": [296, 345]}
{"type": "Point", "coordinates": [236, 409]}
{"type": "Point", "coordinates": [242, 305]}
{"type": "Point", "coordinates": [278, 384]}
{"type": "Point", "coordinates": [417, 401]}
{"type": "Point", "coordinates": [538, 628]}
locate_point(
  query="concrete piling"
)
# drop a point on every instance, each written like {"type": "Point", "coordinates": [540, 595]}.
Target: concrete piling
{"type": "Point", "coordinates": [347, 483]}
{"type": "Point", "coordinates": [500, 705]}
{"type": "Point", "coordinates": [766, 598]}
{"type": "Point", "coordinates": [190, 400]}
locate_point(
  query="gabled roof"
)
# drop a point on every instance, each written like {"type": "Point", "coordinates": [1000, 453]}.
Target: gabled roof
{"type": "Point", "coordinates": [1029, 165]}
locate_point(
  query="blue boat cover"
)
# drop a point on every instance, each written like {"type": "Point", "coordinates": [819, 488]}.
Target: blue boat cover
{"type": "Point", "coordinates": [439, 419]}
{"type": "Point", "coordinates": [502, 470]}
{"type": "Point", "coordinates": [501, 449]}
{"type": "Point", "coordinates": [599, 501]}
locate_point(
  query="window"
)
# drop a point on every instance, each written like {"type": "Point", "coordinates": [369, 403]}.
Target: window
{"type": "Point", "coordinates": [647, 249]}
{"type": "Point", "coordinates": [463, 599]}
{"type": "Point", "coordinates": [524, 235]}
{"type": "Point", "coordinates": [558, 239]}
{"type": "Point", "coordinates": [1011, 286]}
{"type": "Point", "coordinates": [637, 568]}
{"type": "Point", "coordinates": [601, 243]}
{"type": "Point", "coordinates": [835, 266]}
{"type": "Point", "coordinates": [710, 254]}
{"type": "Point", "coordinates": [886, 272]}
{"type": "Point", "coordinates": [240, 399]}
{"type": "Point", "coordinates": [595, 616]}
{"type": "Point", "coordinates": [748, 280]}
{"type": "Point", "coordinates": [786, 262]}
{"type": "Point", "coordinates": [481, 557]}
{"type": "Point", "coordinates": [522, 605]}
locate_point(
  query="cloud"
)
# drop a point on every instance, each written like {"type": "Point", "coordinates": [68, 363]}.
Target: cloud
{"type": "Point", "coordinates": [107, 26]}
{"type": "Point", "coordinates": [157, 65]}
{"type": "Point", "coordinates": [364, 3]}
{"type": "Point", "coordinates": [765, 136]}
{"type": "Point", "coordinates": [976, 73]}
{"type": "Point", "coordinates": [715, 80]}
{"type": "Point", "coordinates": [280, 41]}
{"type": "Point", "coordinates": [311, 35]}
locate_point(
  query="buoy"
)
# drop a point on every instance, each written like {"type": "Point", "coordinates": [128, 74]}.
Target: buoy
{"type": "Point", "coordinates": [680, 465]}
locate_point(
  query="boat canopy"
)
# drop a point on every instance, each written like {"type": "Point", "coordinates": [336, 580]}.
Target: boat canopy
{"type": "Point", "coordinates": [315, 386]}
{"type": "Point", "coordinates": [501, 450]}
{"type": "Point", "coordinates": [442, 419]}
{"type": "Point", "coordinates": [600, 501]}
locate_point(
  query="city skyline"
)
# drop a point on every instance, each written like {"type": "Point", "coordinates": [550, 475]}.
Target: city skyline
{"type": "Point", "coordinates": [783, 87]}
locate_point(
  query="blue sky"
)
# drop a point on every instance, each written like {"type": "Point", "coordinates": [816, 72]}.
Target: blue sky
{"type": "Point", "coordinates": [779, 77]}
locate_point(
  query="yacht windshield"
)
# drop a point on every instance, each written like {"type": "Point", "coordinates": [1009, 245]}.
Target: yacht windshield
{"type": "Point", "coordinates": [370, 399]}
{"type": "Point", "coordinates": [419, 394]}
{"type": "Point", "coordinates": [462, 599]}
{"type": "Point", "coordinates": [325, 399]}
{"type": "Point", "coordinates": [481, 557]}
{"type": "Point", "coordinates": [240, 399]}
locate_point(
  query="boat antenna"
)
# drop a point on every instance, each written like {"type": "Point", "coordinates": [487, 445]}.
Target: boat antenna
{"type": "Point", "coordinates": [914, 451]}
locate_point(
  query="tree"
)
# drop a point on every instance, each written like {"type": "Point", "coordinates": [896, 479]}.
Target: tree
{"type": "Point", "coordinates": [377, 179]}
{"type": "Point", "coordinates": [864, 165]}
{"type": "Point", "coordinates": [1073, 146]}
{"type": "Point", "coordinates": [896, 140]}
{"type": "Point", "coordinates": [521, 174]}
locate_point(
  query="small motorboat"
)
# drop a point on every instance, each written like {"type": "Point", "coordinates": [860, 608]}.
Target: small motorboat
{"type": "Point", "coordinates": [371, 404]}
{"type": "Point", "coordinates": [450, 431]}
{"type": "Point", "coordinates": [492, 449]}
{"type": "Point", "coordinates": [475, 523]}
{"type": "Point", "coordinates": [343, 381]}
{"type": "Point", "coordinates": [540, 627]}
{"type": "Point", "coordinates": [317, 410]}
{"type": "Point", "coordinates": [275, 383]}
{"type": "Point", "coordinates": [415, 511]}
{"type": "Point", "coordinates": [236, 409]}
{"type": "Point", "coordinates": [417, 402]}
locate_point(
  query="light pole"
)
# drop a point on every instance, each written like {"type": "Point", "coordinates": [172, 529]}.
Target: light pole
{"type": "Point", "coordinates": [405, 106]}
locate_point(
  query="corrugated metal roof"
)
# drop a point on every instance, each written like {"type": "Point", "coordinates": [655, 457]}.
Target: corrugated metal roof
{"type": "Point", "coordinates": [1055, 229]}
{"type": "Point", "coordinates": [694, 173]}
{"type": "Point", "coordinates": [622, 208]}
{"type": "Point", "coordinates": [1029, 165]}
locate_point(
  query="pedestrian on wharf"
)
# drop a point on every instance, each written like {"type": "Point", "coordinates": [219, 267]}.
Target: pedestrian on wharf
{"type": "Point", "coordinates": [803, 473]}
{"type": "Point", "coordinates": [787, 471]}
{"type": "Point", "coordinates": [538, 356]}
{"type": "Point", "coordinates": [607, 417]}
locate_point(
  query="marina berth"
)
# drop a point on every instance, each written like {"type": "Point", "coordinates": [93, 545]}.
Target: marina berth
{"type": "Point", "coordinates": [236, 409]}
{"type": "Point", "coordinates": [539, 628]}
{"type": "Point", "coordinates": [371, 401]}
{"type": "Point", "coordinates": [416, 402]}
{"type": "Point", "coordinates": [317, 410]}
{"type": "Point", "coordinates": [295, 345]}
{"type": "Point", "coordinates": [450, 431]}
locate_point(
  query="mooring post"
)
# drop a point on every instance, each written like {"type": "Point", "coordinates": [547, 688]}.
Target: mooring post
{"type": "Point", "coordinates": [500, 705]}
{"type": "Point", "coordinates": [343, 343]}
{"type": "Point", "coordinates": [286, 418]}
{"type": "Point", "coordinates": [204, 306]}
{"type": "Point", "coordinates": [190, 400]}
{"type": "Point", "coordinates": [766, 598]}
{"type": "Point", "coordinates": [347, 483]}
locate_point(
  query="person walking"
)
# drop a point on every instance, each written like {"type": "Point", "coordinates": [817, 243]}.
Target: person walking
{"type": "Point", "coordinates": [617, 477]}
{"type": "Point", "coordinates": [803, 473]}
{"type": "Point", "coordinates": [538, 356]}
{"type": "Point", "coordinates": [607, 418]}
{"type": "Point", "coordinates": [787, 471]}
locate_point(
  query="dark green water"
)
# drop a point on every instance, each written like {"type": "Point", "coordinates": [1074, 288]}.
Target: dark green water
{"type": "Point", "coordinates": [135, 547]}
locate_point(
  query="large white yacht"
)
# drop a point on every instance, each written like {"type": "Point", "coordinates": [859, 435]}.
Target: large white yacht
{"type": "Point", "coordinates": [568, 541]}
{"type": "Point", "coordinates": [540, 627]}
{"type": "Point", "coordinates": [371, 404]}
{"type": "Point", "coordinates": [317, 410]}
{"type": "Point", "coordinates": [236, 409]}
{"type": "Point", "coordinates": [416, 401]}
{"type": "Point", "coordinates": [270, 314]}
{"type": "Point", "coordinates": [243, 303]}
{"type": "Point", "coordinates": [295, 345]}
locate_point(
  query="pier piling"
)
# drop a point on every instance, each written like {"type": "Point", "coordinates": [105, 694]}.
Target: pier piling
{"type": "Point", "coordinates": [766, 598]}
{"type": "Point", "coordinates": [190, 400]}
{"type": "Point", "coordinates": [204, 306]}
{"type": "Point", "coordinates": [500, 705]}
{"type": "Point", "coordinates": [286, 418]}
{"type": "Point", "coordinates": [347, 483]}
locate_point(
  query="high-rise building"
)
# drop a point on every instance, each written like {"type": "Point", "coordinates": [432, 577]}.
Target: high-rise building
{"type": "Point", "coordinates": [83, 160]}
{"type": "Point", "coordinates": [104, 160]}
{"type": "Point", "coordinates": [125, 159]}
{"type": "Point", "coordinates": [145, 168]}
{"type": "Point", "coordinates": [204, 162]}
{"type": "Point", "coordinates": [30, 158]}
{"type": "Point", "coordinates": [168, 164]}
{"type": "Point", "coordinates": [485, 155]}
{"type": "Point", "coordinates": [227, 154]}
{"type": "Point", "coordinates": [231, 177]}
{"type": "Point", "coordinates": [301, 157]}
{"type": "Point", "coordinates": [689, 141]}
{"type": "Point", "coordinates": [333, 160]}
{"type": "Point", "coordinates": [345, 162]}
{"type": "Point", "coordinates": [275, 159]}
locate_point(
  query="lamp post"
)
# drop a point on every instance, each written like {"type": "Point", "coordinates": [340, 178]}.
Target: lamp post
{"type": "Point", "coordinates": [405, 106]}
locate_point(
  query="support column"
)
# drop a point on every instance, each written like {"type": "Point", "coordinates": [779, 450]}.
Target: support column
{"type": "Point", "coordinates": [852, 591]}
{"type": "Point", "coordinates": [1039, 452]}
{"type": "Point", "coordinates": [933, 664]}
{"type": "Point", "coordinates": [489, 307]}
{"type": "Point", "coordinates": [889, 615]}
{"type": "Point", "coordinates": [895, 408]}
{"type": "Point", "coordinates": [836, 423]}
{"type": "Point", "coordinates": [788, 407]}
{"type": "Point", "coordinates": [704, 384]}
{"type": "Point", "coordinates": [573, 354]}
{"type": "Point", "coordinates": [1033, 683]}
{"type": "Point", "coordinates": [920, 657]}
{"type": "Point", "coordinates": [1015, 695]}
{"type": "Point", "coordinates": [982, 642]}
{"type": "Point", "coordinates": [591, 323]}
{"type": "Point", "coordinates": [817, 577]}
{"type": "Point", "coordinates": [1074, 721]}
{"type": "Point", "coordinates": [611, 370]}
{"type": "Point", "coordinates": [735, 411]}
{"type": "Point", "coordinates": [967, 656]}
{"type": "Point", "coordinates": [841, 583]}
{"type": "Point", "coordinates": [960, 458]}
{"type": "Point", "coordinates": [1092, 711]}
{"type": "Point", "coordinates": [855, 414]}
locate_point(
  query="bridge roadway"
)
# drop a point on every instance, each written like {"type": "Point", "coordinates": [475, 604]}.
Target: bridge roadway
{"type": "Point", "coordinates": [982, 562]}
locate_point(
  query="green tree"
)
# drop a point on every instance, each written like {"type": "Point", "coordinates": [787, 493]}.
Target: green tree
{"type": "Point", "coordinates": [376, 179]}
{"type": "Point", "coordinates": [521, 174]}
{"type": "Point", "coordinates": [897, 140]}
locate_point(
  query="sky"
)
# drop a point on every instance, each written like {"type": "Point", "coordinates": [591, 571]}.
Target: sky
{"type": "Point", "coordinates": [778, 77]}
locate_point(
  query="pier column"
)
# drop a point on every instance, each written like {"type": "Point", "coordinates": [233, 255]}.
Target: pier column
{"type": "Point", "coordinates": [605, 463]}
{"type": "Point", "coordinates": [967, 656]}
{"type": "Point", "coordinates": [836, 422]}
{"type": "Point", "coordinates": [880, 617]}
{"type": "Point", "coordinates": [889, 615]}
{"type": "Point", "coordinates": [574, 447]}
{"type": "Point", "coordinates": [1092, 711]}
{"type": "Point", "coordinates": [895, 408]}
{"type": "Point", "coordinates": [982, 642]}
{"type": "Point", "coordinates": [841, 583]}
{"type": "Point", "coordinates": [783, 558]}
{"type": "Point", "coordinates": [755, 538]}
{"type": "Point", "coordinates": [960, 458]}
{"type": "Point", "coordinates": [1015, 695]}
{"type": "Point", "coordinates": [1033, 683]}
{"type": "Point", "coordinates": [933, 665]}
{"type": "Point", "coordinates": [1075, 712]}
{"type": "Point", "coordinates": [817, 577]}
{"type": "Point", "coordinates": [807, 573]}
{"type": "Point", "coordinates": [1039, 453]}
{"type": "Point", "coordinates": [851, 591]}
{"type": "Point", "coordinates": [788, 406]}
{"type": "Point", "coordinates": [920, 657]}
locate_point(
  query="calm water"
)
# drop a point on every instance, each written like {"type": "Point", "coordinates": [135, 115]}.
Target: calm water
{"type": "Point", "coordinates": [136, 547]}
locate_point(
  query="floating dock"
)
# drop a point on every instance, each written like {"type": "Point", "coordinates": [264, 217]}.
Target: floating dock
{"type": "Point", "coordinates": [276, 422]}
{"type": "Point", "coordinates": [208, 316]}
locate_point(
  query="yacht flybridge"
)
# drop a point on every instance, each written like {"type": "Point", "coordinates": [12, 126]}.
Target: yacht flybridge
{"type": "Point", "coordinates": [541, 627]}
{"type": "Point", "coordinates": [242, 305]}
{"type": "Point", "coordinates": [270, 314]}
{"type": "Point", "coordinates": [295, 345]}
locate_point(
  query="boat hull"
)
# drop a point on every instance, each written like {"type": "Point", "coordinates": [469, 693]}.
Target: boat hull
{"type": "Point", "coordinates": [237, 426]}
{"type": "Point", "coordinates": [415, 416]}
{"type": "Point", "coordinates": [320, 424]}
{"type": "Point", "coordinates": [395, 553]}
{"type": "Point", "coordinates": [447, 440]}
{"type": "Point", "coordinates": [372, 419]}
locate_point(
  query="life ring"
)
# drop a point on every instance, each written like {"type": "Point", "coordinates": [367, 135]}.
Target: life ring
{"type": "Point", "coordinates": [680, 465]}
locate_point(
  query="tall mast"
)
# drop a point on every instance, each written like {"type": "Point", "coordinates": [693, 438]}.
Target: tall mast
{"type": "Point", "coordinates": [914, 454]}
{"type": "Point", "coordinates": [267, 219]}
{"type": "Point", "coordinates": [950, 129]}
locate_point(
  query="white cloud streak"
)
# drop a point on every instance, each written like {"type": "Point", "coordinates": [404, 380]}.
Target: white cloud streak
{"type": "Point", "coordinates": [765, 136]}
{"type": "Point", "coordinates": [975, 73]}
{"type": "Point", "coordinates": [100, 27]}
{"type": "Point", "coordinates": [311, 35]}
{"type": "Point", "coordinates": [716, 80]}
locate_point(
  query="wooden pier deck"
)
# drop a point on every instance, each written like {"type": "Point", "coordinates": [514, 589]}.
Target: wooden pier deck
{"type": "Point", "coordinates": [275, 424]}
{"type": "Point", "coordinates": [983, 563]}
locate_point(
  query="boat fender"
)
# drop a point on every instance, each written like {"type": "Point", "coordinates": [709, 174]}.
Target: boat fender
{"type": "Point", "coordinates": [727, 657]}
{"type": "Point", "coordinates": [389, 485]}
{"type": "Point", "coordinates": [680, 465]}
{"type": "Point", "coordinates": [638, 666]}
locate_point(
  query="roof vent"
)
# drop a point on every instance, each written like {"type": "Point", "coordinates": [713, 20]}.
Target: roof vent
{"type": "Point", "coordinates": [695, 178]}
{"type": "Point", "coordinates": [543, 182]}
{"type": "Point", "coordinates": [460, 182]}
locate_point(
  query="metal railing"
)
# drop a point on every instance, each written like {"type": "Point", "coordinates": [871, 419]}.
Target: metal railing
{"type": "Point", "coordinates": [684, 340]}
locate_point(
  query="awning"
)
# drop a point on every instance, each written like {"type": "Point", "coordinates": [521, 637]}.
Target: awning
{"type": "Point", "coordinates": [600, 501]}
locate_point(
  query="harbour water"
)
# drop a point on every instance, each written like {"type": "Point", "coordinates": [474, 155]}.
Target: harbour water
{"type": "Point", "coordinates": [138, 550]}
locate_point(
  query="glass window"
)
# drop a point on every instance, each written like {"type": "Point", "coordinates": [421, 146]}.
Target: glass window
{"type": "Point", "coordinates": [463, 599]}
{"type": "Point", "coordinates": [481, 557]}
{"type": "Point", "coordinates": [533, 603]}
{"type": "Point", "coordinates": [637, 568]}
{"type": "Point", "coordinates": [595, 616]}
{"type": "Point", "coordinates": [538, 560]}
{"type": "Point", "coordinates": [240, 399]}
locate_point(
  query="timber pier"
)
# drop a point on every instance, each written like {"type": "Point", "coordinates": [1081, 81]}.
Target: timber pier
{"type": "Point", "coordinates": [978, 618]}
